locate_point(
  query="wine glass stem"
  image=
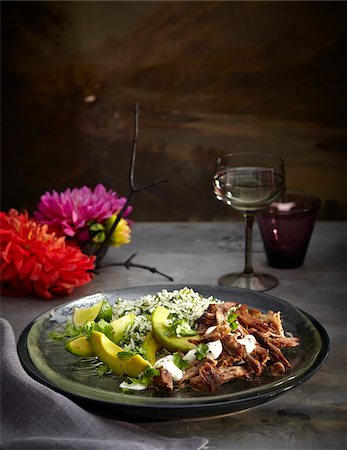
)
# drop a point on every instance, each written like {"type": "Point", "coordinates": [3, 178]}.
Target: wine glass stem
{"type": "Point", "coordinates": [248, 219]}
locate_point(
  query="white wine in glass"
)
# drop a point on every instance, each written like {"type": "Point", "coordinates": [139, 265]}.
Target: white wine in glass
{"type": "Point", "coordinates": [249, 182]}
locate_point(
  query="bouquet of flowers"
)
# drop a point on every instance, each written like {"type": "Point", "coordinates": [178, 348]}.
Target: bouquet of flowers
{"type": "Point", "coordinates": [59, 247]}
{"type": "Point", "coordinates": [53, 251]}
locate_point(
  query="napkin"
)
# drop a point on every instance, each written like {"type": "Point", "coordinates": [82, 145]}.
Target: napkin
{"type": "Point", "coordinates": [35, 417]}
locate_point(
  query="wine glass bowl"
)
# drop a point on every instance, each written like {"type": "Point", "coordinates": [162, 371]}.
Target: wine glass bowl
{"type": "Point", "coordinates": [249, 182]}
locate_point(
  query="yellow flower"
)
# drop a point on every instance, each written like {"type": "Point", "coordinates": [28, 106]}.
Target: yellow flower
{"type": "Point", "coordinates": [122, 233]}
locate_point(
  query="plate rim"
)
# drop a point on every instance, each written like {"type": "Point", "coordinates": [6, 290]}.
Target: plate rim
{"type": "Point", "coordinates": [195, 402]}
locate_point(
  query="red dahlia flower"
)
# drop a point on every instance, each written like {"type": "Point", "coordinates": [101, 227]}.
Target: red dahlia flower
{"type": "Point", "coordinates": [34, 261]}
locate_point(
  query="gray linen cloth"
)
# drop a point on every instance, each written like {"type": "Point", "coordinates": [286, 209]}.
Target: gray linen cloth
{"type": "Point", "coordinates": [35, 417]}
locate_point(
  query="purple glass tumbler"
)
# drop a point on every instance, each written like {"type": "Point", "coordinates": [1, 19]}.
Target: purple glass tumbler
{"type": "Point", "coordinates": [286, 227]}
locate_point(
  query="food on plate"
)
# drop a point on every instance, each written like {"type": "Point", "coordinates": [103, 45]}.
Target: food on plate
{"type": "Point", "coordinates": [113, 356]}
{"type": "Point", "coordinates": [151, 346]}
{"type": "Point", "coordinates": [120, 326]}
{"type": "Point", "coordinates": [168, 340]}
{"type": "Point", "coordinates": [181, 340]}
{"type": "Point", "coordinates": [80, 346]}
{"type": "Point", "coordinates": [84, 315]}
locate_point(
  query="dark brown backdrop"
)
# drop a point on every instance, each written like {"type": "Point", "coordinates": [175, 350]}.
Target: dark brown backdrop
{"type": "Point", "coordinates": [210, 77]}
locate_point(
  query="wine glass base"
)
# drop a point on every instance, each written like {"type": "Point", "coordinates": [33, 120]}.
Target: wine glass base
{"type": "Point", "coordinates": [254, 281]}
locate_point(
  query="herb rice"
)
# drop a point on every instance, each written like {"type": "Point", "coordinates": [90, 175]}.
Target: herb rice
{"type": "Point", "coordinates": [184, 305]}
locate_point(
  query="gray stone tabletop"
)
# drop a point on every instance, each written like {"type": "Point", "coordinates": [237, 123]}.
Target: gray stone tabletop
{"type": "Point", "coordinates": [311, 416]}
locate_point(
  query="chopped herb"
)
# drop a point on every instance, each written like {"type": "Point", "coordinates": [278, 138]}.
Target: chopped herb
{"type": "Point", "coordinates": [70, 331]}
{"type": "Point", "coordinates": [102, 326]}
{"type": "Point", "coordinates": [57, 336]}
{"type": "Point", "coordinates": [129, 354]}
{"type": "Point", "coordinates": [180, 362]}
{"type": "Point", "coordinates": [125, 355]}
{"type": "Point", "coordinates": [141, 351]}
{"type": "Point", "coordinates": [234, 325]}
{"type": "Point", "coordinates": [201, 351]}
{"type": "Point", "coordinates": [145, 378]}
{"type": "Point", "coordinates": [149, 373]}
{"type": "Point", "coordinates": [102, 370]}
{"type": "Point", "coordinates": [181, 328]}
{"type": "Point", "coordinates": [105, 312]}
{"type": "Point", "coordinates": [232, 319]}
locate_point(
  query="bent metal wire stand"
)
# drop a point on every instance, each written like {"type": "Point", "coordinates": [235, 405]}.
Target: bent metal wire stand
{"type": "Point", "coordinates": [101, 251]}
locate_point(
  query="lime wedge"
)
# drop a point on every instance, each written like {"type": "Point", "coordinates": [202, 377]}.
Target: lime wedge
{"type": "Point", "coordinates": [83, 315]}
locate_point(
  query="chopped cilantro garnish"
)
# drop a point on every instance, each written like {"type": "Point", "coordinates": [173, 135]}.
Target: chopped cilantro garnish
{"type": "Point", "coordinates": [201, 351]}
{"type": "Point", "coordinates": [181, 328]}
{"type": "Point", "coordinates": [101, 325]}
{"type": "Point", "coordinates": [129, 354]}
{"type": "Point", "coordinates": [234, 325]}
{"type": "Point", "coordinates": [125, 355]}
{"type": "Point", "coordinates": [232, 319]}
{"type": "Point", "coordinates": [102, 370]}
{"type": "Point", "coordinates": [149, 373]}
{"type": "Point", "coordinates": [145, 377]}
{"type": "Point", "coordinates": [141, 351]}
{"type": "Point", "coordinates": [70, 331]}
{"type": "Point", "coordinates": [179, 361]}
{"type": "Point", "coordinates": [57, 336]}
{"type": "Point", "coordinates": [105, 312]}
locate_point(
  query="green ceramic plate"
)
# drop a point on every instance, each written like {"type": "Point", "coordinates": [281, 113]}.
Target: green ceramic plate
{"type": "Point", "coordinates": [47, 361]}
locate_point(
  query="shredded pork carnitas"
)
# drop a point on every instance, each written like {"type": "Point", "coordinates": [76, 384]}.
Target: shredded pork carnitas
{"type": "Point", "coordinates": [235, 361]}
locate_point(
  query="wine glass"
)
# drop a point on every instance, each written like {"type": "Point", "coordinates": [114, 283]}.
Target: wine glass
{"type": "Point", "coordinates": [249, 182]}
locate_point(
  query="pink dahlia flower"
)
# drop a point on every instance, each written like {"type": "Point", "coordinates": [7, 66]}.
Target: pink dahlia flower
{"type": "Point", "coordinates": [70, 211]}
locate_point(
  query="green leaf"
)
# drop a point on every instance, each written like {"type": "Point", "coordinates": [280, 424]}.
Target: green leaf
{"type": "Point", "coordinates": [97, 231]}
{"type": "Point", "coordinates": [149, 373]}
{"type": "Point", "coordinates": [180, 362]}
{"type": "Point", "coordinates": [234, 325]}
{"type": "Point", "coordinates": [146, 376]}
{"type": "Point", "coordinates": [232, 319]}
{"type": "Point", "coordinates": [70, 331]}
{"type": "Point", "coordinates": [181, 328]}
{"type": "Point", "coordinates": [106, 312]}
{"type": "Point", "coordinates": [102, 370]}
{"type": "Point", "coordinates": [57, 336]}
{"type": "Point", "coordinates": [141, 351]}
{"type": "Point", "coordinates": [125, 355]}
{"type": "Point", "coordinates": [101, 325]}
{"type": "Point", "coordinates": [129, 354]}
{"type": "Point", "coordinates": [96, 227]}
{"type": "Point", "coordinates": [201, 351]}
{"type": "Point", "coordinates": [99, 237]}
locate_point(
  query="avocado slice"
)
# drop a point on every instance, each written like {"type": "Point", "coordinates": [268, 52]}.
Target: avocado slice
{"type": "Point", "coordinates": [151, 345]}
{"type": "Point", "coordinates": [80, 346]}
{"type": "Point", "coordinates": [107, 351]}
{"type": "Point", "coordinates": [161, 333]}
{"type": "Point", "coordinates": [120, 325]}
